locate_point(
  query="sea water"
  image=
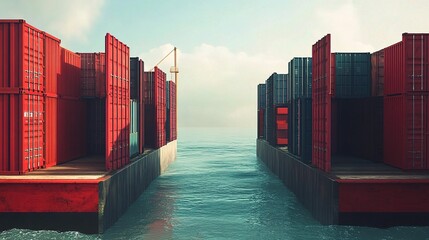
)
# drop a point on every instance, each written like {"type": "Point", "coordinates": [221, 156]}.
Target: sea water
{"type": "Point", "coordinates": [218, 189]}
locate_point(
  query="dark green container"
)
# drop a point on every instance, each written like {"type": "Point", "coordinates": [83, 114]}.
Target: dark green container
{"type": "Point", "coordinates": [352, 75]}
{"type": "Point", "coordinates": [300, 76]}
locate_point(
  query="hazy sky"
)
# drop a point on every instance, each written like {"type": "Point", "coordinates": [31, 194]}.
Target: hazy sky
{"type": "Point", "coordinates": [226, 47]}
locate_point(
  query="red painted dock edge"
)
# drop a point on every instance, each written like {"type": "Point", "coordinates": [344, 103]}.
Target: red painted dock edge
{"type": "Point", "coordinates": [383, 195]}
{"type": "Point", "coordinates": [49, 196]}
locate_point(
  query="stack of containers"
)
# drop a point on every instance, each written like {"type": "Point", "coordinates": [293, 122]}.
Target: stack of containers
{"type": "Point", "coordinates": [282, 126]}
{"type": "Point", "coordinates": [167, 113]}
{"type": "Point", "coordinates": [171, 129]}
{"type": "Point", "coordinates": [22, 97]}
{"type": "Point", "coordinates": [155, 108]}
{"type": "Point", "coordinates": [276, 94]}
{"type": "Point", "coordinates": [93, 90]}
{"type": "Point", "coordinates": [261, 111]}
{"type": "Point", "coordinates": [406, 69]}
{"type": "Point", "coordinates": [72, 111]}
{"type": "Point", "coordinates": [300, 76]}
{"type": "Point", "coordinates": [135, 82]}
{"type": "Point", "coordinates": [346, 120]}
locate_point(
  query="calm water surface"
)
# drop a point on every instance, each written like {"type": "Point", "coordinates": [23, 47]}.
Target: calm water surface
{"type": "Point", "coordinates": [218, 189]}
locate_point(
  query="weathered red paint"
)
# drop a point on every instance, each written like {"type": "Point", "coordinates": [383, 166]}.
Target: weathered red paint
{"type": "Point", "coordinates": [383, 195]}
{"type": "Point", "coordinates": [51, 196]}
{"type": "Point", "coordinates": [21, 56]}
{"type": "Point", "coordinates": [117, 103]}
{"type": "Point", "coordinates": [322, 91]}
{"type": "Point", "coordinates": [406, 129]}
{"type": "Point", "coordinates": [407, 65]}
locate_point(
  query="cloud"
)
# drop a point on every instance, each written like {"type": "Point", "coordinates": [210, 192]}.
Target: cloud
{"type": "Point", "coordinates": [217, 87]}
{"type": "Point", "coordinates": [344, 24]}
{"type": "Point", "coordinates": [65, 19]}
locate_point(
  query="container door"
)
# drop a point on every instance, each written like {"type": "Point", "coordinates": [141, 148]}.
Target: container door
{"type": "Point", "coordinates": [322, 91]}
{"type": "Point", "coordinates": [117, 103]}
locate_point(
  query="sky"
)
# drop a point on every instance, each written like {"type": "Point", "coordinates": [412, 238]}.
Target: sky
{"type": "Point", "coordinates": [226, 47]}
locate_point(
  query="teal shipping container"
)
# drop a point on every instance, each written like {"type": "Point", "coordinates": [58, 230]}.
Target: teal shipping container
{"type": "Point", "coordinates": [300, 73]}
{"type": "Point", "coordinates": [134, 127]}
{"type": "Point", "coordinates": [352, 75]}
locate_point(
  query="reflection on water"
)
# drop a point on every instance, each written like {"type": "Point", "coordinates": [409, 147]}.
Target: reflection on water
{"type": "Point", "coordinates": [217, 189]}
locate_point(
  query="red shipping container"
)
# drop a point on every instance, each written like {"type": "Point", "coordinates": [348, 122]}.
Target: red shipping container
{"type": "Point", "coordinates": [52, 64]}
{"type": "Point", "coordinates": [407, 65]}
{"type": "Point", "coordinates": [406, 131]}
{"type": "Point", "coordinates": [141, 105]}
{"type": "Point", "coordinates": [22, 133]}
{"type": "Point", "coordinates": [160, 106]}
{"type": "Point", "coordinates": [377, 73]}
{"type": "Point", "coordinates": [69, 81]}
{"type": "Point", "coordinates": [172, 112]}
{"type": "Point", "coordinates": [322, 91]}
{"type": "Point", "coordinates": [51, 131]}
{"type": "Point", "coordinates": [282, 125]}
{"type": "Point", "coordinates": [22, 57]}
{"type": "Point", "coordinates": [93, 75]}
{"type": "Point", "coordinates": [117, 103]}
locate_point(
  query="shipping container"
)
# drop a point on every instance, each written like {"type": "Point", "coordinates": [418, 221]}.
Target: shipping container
{"type": "Point", "coordinates": [300, 71]}
{"type": "Point", "coordinates": [322, 91]}
{"type": "Point", "coordinates": [141, 106]}
{"type": "Point", "coordinates": [261, 124]}
{"type": "Point", "coordinates": [134, 127]}
{"type": "Point", "coordinates": [262, 96]}
{"type": "Point", "coordinates": [305, 121]}
{"type": "Point", "coordinates": [407, 65]}
{"type": "Point", "coordinates": [406, 131]}
{"type": "Point", "coordinates": [276, 95]}
{"type": "Point", "coordinates": [155, 108]}
{"type": "Point", "coordinates": [377, 73]}
{"type": "Point", "coordinates": [52, 64]}
{"type": "Point", "coordinates": [117, 103]}
{"type": "Point", "coordinates": [51, 131]}
{"type": "Point", "coordinates": [173, 111]}
{"type": "Point", "coordinates": [352, 75]}
{"type": "Point", "coordinates": [22, 57]}
{"type": "Point", "coordinates": [134, 77]}
{"type": "Point", "coordinates": [69, 81]}
{"type": "Point", "coordinates": [282, 126]}
{"type": "Point", "coordinates": [294, 128]}
{"type": "Point", "coordinates": [93, 75]}
{"type": "Point", "coordinates": [22, 125]}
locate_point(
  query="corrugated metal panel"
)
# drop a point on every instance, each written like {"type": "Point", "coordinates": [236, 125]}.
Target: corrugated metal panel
{"type": "Point", "coordinates": [262, 98]}
{"type": "Point", "coordinates": [261, 123]}
{"type": "Point", "coordinates": [69, 81]}
{"type": "Point", "coordinates": [377, 73]}
{"type": "Point", "coordinates": [322, 90]}
{"type": "Point", "coordinates": [117, 103]}
{"type": "Point", "coordinates": [51, 133]}
{"type": "Point", "coordinates": [300, 72]}
{"type": "Point", "coordinates": [173, 111]}
{"type": "Point", "coordinates": [134, 77]}
{"type": "Point", "coordinates": [93, 74]}
{"type": "Point", "coordinates": [141, 107]}
{"type": "Point", "coordinates": [407, 64]}
{"type": "Point", "coordinates": [282, 127]}
{"type": "Point", "coordinates": [306, 129]}
{"type": "Point", "coordinates": [52, 64]}
{"type": "Point", "coordinates": [352, 75]}
{"type": "Point", "coordinates": [276, 95]}
{"type": "Point", "coordinates": [22, 56]}
{"type": "Point", "coordinates": [406, 131]}
{"type": "Point", "coordinates": [22, 122]}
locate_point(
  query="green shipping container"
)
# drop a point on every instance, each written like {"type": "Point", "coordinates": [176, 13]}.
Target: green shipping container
{"type": "Point", "coordinates": [134, 128]}
{"type": "Point", "coordinates": [352, 75]}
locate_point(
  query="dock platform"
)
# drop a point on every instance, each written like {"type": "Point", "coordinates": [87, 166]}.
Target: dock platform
{"type": "Point", "coordinates": [355, 192]}
{"type": "Point", "coordinates": [79, 195]}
